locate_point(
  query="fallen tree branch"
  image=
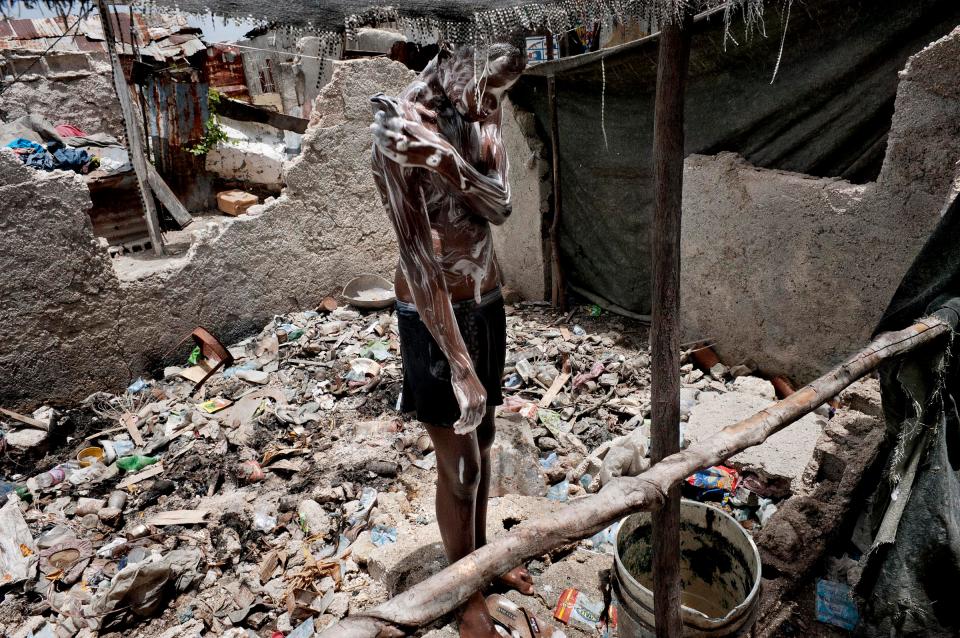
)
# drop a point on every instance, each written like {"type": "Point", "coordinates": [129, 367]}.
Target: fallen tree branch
{"type": "Point", "coordinates": [448, 589]}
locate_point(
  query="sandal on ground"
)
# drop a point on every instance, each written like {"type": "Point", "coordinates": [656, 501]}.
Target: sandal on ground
{"type": "Point", "coordinates": [520, 622]}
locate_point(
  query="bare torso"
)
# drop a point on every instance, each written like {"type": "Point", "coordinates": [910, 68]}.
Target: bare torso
{"type": "Point", "coordinates": [462, 241]}
{"type": "Point", "coordinates": [440, 165]}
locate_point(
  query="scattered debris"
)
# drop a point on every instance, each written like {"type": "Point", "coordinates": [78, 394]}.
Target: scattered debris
{"type": "Point", "coordinates": [290, 463]}
{"type": "Point", "coordinates": [574, 608]}
{"type": "Point", "coordinates": [835, 605]}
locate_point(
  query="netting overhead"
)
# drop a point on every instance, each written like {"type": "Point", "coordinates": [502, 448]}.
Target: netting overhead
{"type": "Point", "coordinates": [458, 21]}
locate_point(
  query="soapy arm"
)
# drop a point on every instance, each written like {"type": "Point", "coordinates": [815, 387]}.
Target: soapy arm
{"type": "Point", "coordinates": [401, 135]}
{"type": "Point", "coordinates": [404, 203]}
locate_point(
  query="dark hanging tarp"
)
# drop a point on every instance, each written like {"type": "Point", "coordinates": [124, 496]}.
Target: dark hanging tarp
{"type": "Point", "coordinates": [827, 114]}
{"type": "Point", "coordinates": [912, 518]}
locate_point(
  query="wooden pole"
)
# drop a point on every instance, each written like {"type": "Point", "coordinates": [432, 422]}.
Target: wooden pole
{"type": "Point", "coordinates": [134, 141]}
{"type": "Point", "coordinates": [672, 61]}
{"type": "Point", "coordinates": [557, 298]}
{"type": "Point", "coordinates": [448, 589]}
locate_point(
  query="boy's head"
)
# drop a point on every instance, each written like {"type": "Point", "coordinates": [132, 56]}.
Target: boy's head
{"type": "Point", "coordinates": [477, 95]}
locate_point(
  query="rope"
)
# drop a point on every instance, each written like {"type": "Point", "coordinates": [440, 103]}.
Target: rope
{"type": "Point", "coordinates": [49, 48]}
{"type": "Point", "coordinates": [603, 103]}
{"type": "Point", "coordinates": [783, 41]}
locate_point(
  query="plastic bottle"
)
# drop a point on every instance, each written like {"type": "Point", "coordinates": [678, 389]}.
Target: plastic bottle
{"type": "Point", "coordinates": [116, 448]}
{"type": "Point", "coordinates": [136, 462]}
{"type": "Point", "coordinates": [92, 472]}
{"type": "Point", "coordinates": [51, 477]}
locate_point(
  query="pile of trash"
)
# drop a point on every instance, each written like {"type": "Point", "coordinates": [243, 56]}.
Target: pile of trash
{"type": "Point", "coordinates": [227, 495]}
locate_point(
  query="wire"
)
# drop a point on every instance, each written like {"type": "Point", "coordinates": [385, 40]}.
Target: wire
{"type": "Point", "coordinates": [278, 51]}
{"type": "Point", "coordinates": [49, 48]}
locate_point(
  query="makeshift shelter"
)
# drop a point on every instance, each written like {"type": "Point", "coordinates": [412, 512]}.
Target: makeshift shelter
{"type": "Point", "coordinates": [826, 113]}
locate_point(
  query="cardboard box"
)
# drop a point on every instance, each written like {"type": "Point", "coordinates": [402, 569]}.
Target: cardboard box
{"type": "Point", "coordinates": [235, 202]}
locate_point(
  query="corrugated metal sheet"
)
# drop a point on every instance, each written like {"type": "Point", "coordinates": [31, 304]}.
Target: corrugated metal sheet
{"type": "Point", "coordinates": [91, 27]}
{"type": "Point", "coordinates": [177, 110]}
{"type": "Point", "coordinates": [163, 37]}
{"type": "Point", "coordinates": [38, 28]}
{"type": "Point", "coordinates": [224, 68]}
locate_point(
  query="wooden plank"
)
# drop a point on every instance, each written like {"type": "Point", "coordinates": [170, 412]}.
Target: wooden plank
{"type": "Point", "coordinates": [241, 111]}
{"type": "Point", "coordinates": [167, 197]}
{"type": "Point", "coordinates": [557, 298]}
{"type": "Point", "coordinates": [134, 139]}
{"type": "Point", "coordinates": [554, 390]}
{"type": "Point", "coordinates": [177, 517]}
{"type": "Point", "coordinates": [102, 432]}
{"type": "Point", "coordinates": [26, 420]}
{"type": "Point", "coordinates": [154, 470]}
{"type": "Point", "coordinates": [561, 66]}
{"type": "Point", "coordinates": [668, 137]}
{"type": "Point", "coordinates": [130, 421]}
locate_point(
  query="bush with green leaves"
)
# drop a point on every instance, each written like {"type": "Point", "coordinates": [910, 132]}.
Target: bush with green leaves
{"type": "Point", "coordinates": [213, 131]}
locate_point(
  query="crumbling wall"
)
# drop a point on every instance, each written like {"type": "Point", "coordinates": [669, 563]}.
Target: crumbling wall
{"type": "Point", "coordinates": [794, 272]}
{"type": "Point", "coordinates": [60, 298]}
{"type": "Point", "coordinates": [71, 326]}
{"type": "Point", "coordinates": [72, 88]}
{"type": "Point", "coordinates": [519, 242]}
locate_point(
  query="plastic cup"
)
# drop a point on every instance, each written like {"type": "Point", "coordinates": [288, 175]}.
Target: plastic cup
{"type": "Point", "coordinates": [90, 455]}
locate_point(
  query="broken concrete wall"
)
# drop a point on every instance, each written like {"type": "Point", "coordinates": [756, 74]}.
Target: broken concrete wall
{"type": "Point", "coordinates": [72, 326]}
{"type": "Point", "coordinates": [519, 242]}
{"type": "Point", "coordinates": [286, 71]}
{"type": "Point", "coordinates": [794, 272]}
{"type": "Point", "coordinates": [59, 308]}
{"type": "Point", "coordinates": [72, 88]}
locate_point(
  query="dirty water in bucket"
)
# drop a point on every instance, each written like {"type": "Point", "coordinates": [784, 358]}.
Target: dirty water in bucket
{"type": "Point", "coordinates": [712, 573]}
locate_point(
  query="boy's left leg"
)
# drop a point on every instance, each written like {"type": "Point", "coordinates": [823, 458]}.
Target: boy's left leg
{"type": "Point", "coordinates": [517, 578]}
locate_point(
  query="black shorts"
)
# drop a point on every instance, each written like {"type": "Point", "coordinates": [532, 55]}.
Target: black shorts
{"type": "Point", "coordinates": [427, 390]}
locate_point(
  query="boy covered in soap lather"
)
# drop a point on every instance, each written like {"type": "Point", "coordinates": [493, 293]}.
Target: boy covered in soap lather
{"type": "Point", "coordinates": [440, 165]}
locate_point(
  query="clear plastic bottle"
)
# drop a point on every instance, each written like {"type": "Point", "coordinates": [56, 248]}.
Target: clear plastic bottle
{"type": "Point", "coordinates": [51, 477]}
{"type": "Point", "coordinates": [56, 475]}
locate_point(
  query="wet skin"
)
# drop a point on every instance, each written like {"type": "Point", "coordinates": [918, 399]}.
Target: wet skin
{"type": "Point", "coordinates": [441, 168]}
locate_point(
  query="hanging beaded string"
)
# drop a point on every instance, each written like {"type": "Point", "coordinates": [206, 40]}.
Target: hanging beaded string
{"type": "Point", "coordinates": [485, 26]}
{"type": "Point", "coordinates": [603, 102]}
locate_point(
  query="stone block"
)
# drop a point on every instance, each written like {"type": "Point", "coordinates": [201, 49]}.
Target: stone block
{"type": "Point", "coordinates": [514, 465]}
{"type": "Point", "coordinates": [781, 459]}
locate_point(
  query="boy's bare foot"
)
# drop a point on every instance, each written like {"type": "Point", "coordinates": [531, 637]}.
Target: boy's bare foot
{"type": "Point", "coordinates": [475, 620]}
{"type": "Point", "coordinates": [520, 579]}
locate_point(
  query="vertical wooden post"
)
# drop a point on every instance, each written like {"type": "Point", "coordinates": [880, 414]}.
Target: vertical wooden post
{"type": "Point", "coordinates": [134, 141]}
{"type": "Point", "coordinates": [672, 62]}
{"type": "Point", "coordinates": [557, 298]}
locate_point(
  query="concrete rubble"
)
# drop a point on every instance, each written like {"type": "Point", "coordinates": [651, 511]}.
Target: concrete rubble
{"type": "Point", "coordinates": [780, 460]}
{"type": "Point", "coordinates": [288, 488]}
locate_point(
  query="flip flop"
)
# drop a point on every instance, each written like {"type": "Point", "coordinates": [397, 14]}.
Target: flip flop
{"type": "Point", "coordinates": [520, 622]}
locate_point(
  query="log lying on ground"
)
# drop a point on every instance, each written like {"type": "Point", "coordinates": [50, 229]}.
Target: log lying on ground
{"type": "Point", "coordinates": [445, 591]}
